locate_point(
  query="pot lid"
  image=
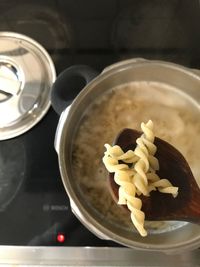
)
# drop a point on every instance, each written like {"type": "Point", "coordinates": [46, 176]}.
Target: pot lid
{"type": "Point", "coordinates": [26, 77]}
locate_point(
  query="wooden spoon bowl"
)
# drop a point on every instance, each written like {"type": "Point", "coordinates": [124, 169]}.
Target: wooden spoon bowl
{"type": "Point", "coordinates": [174, 167]}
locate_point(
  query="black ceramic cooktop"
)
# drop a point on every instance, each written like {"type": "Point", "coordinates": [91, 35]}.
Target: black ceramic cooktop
{"type": "Point", "coordinates": [34, 208]}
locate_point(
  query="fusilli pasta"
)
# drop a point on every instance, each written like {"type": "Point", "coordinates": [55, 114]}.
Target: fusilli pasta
{"type": "Point", "coordinates": [140, 177]}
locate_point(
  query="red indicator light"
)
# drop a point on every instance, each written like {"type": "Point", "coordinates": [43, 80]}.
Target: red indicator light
{"type": "Point", "coordinates": [61, 238]}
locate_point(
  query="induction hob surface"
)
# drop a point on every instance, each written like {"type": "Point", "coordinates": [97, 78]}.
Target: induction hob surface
{"type": "Point", "coordinates": [34, 207]}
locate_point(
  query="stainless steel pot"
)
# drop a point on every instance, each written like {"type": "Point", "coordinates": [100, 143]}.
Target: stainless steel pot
{"type": "Point", "coordinates": [186, 80]}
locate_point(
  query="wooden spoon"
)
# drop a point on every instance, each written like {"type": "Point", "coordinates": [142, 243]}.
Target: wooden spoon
{"type": "Point", "coordinates": [174, 167]}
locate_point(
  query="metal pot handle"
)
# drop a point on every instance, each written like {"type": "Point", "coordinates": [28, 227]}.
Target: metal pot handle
{"type": "Point", "coordinates": [68, 84]}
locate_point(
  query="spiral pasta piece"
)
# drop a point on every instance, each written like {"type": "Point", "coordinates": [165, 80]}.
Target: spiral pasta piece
{"type": "Point", "coordinates": [164, 186]}
{"type": "Point", "coordinates": [127, 191]}
{"type": "Point", "coordinates": [122, 178]}
{"type": "Point", "coordinates": [148, 131]}
{"type": "Point", "coordinates": [127, 197]}
{"type": "Point", "coordinates": [138, 217]}
{"type": "Point", "coordinates": [140, 186]}
{"type": "Point", "coordinates": [148, 140]}
{"type": "Point", "coordinates": [145, 150]}
{"type": "Point", "coordinates": [117, 153]}
{"type": "Point", "coordinates": [112, 164]}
